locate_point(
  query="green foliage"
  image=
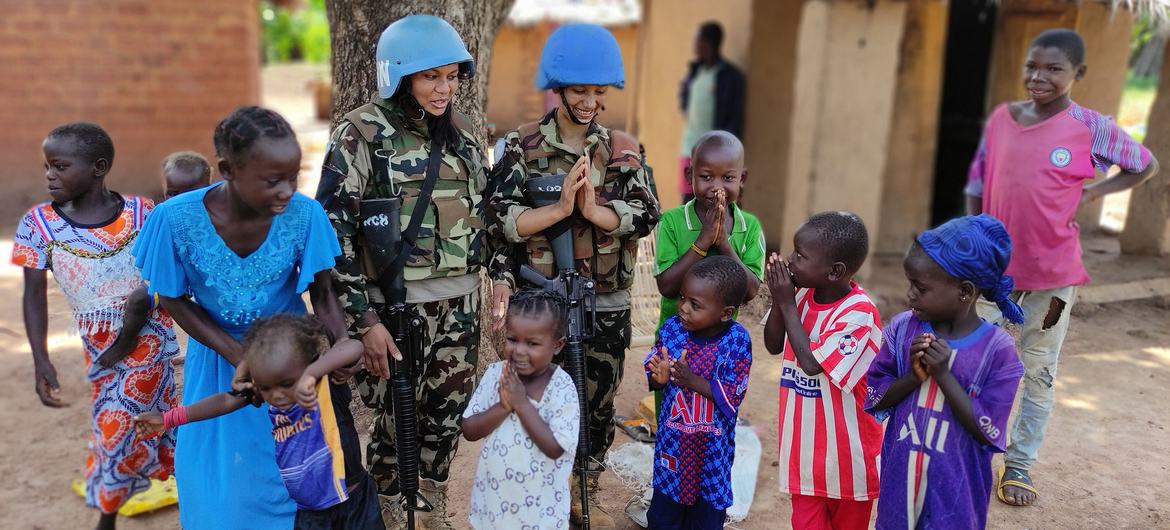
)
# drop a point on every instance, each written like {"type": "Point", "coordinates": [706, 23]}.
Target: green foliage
{"type": "Point", "coordinates": [295, 35]}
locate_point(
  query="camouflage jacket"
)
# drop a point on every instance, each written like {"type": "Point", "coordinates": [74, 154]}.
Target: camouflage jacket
{"type": "Point", "coordinates": [620, 181]}
{"type": "Point", "coordinates": [452, 240]}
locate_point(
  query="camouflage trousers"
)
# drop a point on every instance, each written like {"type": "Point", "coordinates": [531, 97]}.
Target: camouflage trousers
{"type": "Point", "coordinates": [442, 388]}
{"type": "Point", "coordinates": [605, 357]}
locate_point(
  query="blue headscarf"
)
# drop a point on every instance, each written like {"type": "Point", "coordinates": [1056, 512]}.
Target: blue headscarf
{"type": "Point", "coordinates": [976, 248]}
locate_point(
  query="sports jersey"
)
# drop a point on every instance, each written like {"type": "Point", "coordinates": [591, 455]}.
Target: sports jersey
{"type": "Point", "coordinates": [695, 443]}
{"type": "Point", "coordinates": [309, 452]}
{"type": "Point", "coordinates": [1032, 179]}
{"type": "Point", "coordinates": [828, 444]}
{"type": "Point", "coordinates": [935, 474]}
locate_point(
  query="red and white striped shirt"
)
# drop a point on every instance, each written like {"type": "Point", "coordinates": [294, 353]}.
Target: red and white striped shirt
{"type": "Point", "coordinates": [828, 444]}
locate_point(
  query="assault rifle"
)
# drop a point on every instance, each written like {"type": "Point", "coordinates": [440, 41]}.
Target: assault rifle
{"type": "Point", "coordinates": [580, 292]}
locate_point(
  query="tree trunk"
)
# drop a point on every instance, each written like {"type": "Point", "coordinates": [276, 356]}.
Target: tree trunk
{"type": "Point", "coordinates": [354, 28]}
{"type": "Point", "coordinates": [1147, 223]}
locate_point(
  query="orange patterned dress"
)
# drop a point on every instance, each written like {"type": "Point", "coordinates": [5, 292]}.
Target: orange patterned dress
{"type": "Point", "coordinates": [94, 267]}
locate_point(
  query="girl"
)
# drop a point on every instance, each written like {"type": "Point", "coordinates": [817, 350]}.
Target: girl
{"type": "Point", "coordinates": [316, 449]}
{"type": "Point", "coordinates": [527, 407]}
{"type": "Point", "coordinates": [389, 149]}
{"type": "Point", "coordinates": [606, 197]}
{"type": "Point", "coordinates": [946, 379]}
{"type": "Point", "coordinates": [244, 248]}
{"type": "Point", "coordinates": [83, 235]}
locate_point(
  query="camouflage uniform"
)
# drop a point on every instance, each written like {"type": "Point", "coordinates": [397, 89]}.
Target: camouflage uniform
{"type": "Point", "coordinates": [621, 183]}
{"type": "Point", "coordinates": [442, 275]}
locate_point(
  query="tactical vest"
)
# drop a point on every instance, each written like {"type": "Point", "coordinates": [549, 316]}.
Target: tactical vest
{"type": "Point", "coordinates": [609, 260]}
{"type": "Point", "coordinates": [450, 240]}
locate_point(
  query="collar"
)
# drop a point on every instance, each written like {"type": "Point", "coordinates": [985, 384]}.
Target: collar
{"type": "Point", "coordinates": [694, 224]}
{"type": "Point", "coordinates": [594, 135]}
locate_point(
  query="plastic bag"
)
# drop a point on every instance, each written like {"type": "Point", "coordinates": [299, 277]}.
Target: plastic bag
{"type": "Point", "coordinates": [160, 494]}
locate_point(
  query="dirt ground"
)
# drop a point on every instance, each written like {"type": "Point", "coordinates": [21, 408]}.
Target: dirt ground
{"type": "Point", "coordinates": [1104, 463]}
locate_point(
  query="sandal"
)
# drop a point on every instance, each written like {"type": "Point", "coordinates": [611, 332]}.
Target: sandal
{"type": "Point", "coordinates": [1010, 476]}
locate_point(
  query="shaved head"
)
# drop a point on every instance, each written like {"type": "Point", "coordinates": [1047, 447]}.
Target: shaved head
{"type": "Point", "coordinates": [717, 140]}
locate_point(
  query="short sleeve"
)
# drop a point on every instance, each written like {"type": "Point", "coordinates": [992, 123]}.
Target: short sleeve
{"type": "Point", "coordinates": [847, 347]}
{"type": "Point", "coordinates": [1112, 145]}
{"type": "Point", "coordinates": [156, 255]}
{"type": "Point", "coordinates": [321, 248]}
{"type": "Point", "coordinates": [486, 393]}
{"type": "Point", "coordinates": [666, 247]}
{"type": "Point", "coordinates": [753, 250]}
{"type": "Point", "coordinates": [30, 245]}
{"type": "Point", "coordinates": [883, 371]}
{"type": "Point", "coordinates": [564, 418]}
{"type": "Point", "coordinates": [730, 381]}
{"type": "Point", "coordinates": [977, 170]}
{"type": "Point", "coordinates": [992, 405]}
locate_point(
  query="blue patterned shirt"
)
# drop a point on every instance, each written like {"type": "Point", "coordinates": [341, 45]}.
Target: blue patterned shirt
{"type": "Point", "coordinates": [696, 436]}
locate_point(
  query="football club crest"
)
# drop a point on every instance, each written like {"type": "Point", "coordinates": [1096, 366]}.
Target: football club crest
{"type": "Point", "coordinates": [1060, 157]}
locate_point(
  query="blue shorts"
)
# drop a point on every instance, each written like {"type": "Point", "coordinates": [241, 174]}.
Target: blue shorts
{"type": "Point", "coordinates": [665, 514]}
{"type": "Point", "coordinates": [360, 512]}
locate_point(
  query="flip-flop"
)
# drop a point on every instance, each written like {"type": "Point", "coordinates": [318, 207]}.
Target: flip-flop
{"type": "Point", "coordinates": [1010, 476]}
{"type": "Point", "coordinates": [635, 428]}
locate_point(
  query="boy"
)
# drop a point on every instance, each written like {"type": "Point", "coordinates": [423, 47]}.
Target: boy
{"type": "Point", "coordinates": [1030, 173]}
{"type": "Point", "coordinates": [829, 332]}
{"type": "Point", "coordinates": [184, 171]}
{"type": "Point", "coordinates": [701, 363]}
{"type": "Point", "coordinates": [710, 223]}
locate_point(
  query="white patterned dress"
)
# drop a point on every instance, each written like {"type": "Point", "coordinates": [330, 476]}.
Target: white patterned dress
{"type": "Point", "coordinates": [95, 270]}
{"type": "Point", "coordinates": [516, 485]}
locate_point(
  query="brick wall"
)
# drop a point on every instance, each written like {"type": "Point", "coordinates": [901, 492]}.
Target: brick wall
{"type": "Point", "coordinates": [158, 75]}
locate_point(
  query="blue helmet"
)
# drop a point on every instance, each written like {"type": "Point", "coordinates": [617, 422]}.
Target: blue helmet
{"type": "Point", "coordinates": [416, 43]}
{"type": "Point", "coordinates": [580, 54]}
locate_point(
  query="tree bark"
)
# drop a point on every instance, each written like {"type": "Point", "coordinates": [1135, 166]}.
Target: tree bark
{"type": "Point", "coordinates": [1147, 223]}
{"type": "Point", "coordinates": [354, 28]}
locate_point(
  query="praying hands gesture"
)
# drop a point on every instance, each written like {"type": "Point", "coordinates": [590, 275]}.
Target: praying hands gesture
{"type": "Point", "coordinates": [512, 391]}
{"type": "Point", "coordinates": [714, 233]}
{"type": "Point", "coordinates": [917, 355]}
{"type": "Point", "coordinates": [780, 282]}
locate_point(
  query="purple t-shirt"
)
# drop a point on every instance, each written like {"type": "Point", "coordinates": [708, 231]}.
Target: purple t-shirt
{"type": "Point", "coordinates": [934, 473]}
{"type": "Point", "coordinates": [695, 446]}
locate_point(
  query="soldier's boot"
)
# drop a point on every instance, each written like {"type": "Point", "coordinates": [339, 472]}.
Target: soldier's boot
{"type": "Point", "coordinates": [437, 518]}
{"type": "Point", "coordinates": [393, 515]}
{"type": "Point", "coordinates": [599, 519]}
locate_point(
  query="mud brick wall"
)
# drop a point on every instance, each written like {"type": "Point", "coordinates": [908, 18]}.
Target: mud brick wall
{"type": "Point", "coordinates": [158, 75]}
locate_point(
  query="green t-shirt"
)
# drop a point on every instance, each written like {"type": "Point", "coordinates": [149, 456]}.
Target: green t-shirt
{"type": "Point", "coordinates": [678, 228]}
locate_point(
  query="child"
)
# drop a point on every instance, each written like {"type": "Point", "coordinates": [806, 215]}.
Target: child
{"type": "Point", "coordinates": [220, 258]}
{"type": "Point", "coordinates": [84, 236]}
{"type": "Point", "coordinates": [1030, 173]}
{"type": "Point", "coordinates": [700, 362]}
{"type": "Point", "coordinates": [317, 446]}
{"type": "Point", "coordinates": [829, 331]}
{"type": "Point", "coordinates": [527, 408]}
{"type": "Point", "coordinates": [711, 223]}
{"type": "Point", "coordinates": [185, 171]}
{"type": "Point", "coordinates": [946, 379]}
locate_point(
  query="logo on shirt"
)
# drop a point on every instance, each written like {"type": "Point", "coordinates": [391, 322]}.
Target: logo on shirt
{"type": "Point", "coordinates": [1060, 157]}
{"type": "Point", "coordinates": [809, 387]}
{"type": "Point", "coordinates": [690, 412]}
{"type": "Point", "coordinates": [847, 345]}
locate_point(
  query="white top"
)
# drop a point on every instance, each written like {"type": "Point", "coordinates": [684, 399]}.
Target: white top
{"type": "Point", "coordinates": [517, 485]}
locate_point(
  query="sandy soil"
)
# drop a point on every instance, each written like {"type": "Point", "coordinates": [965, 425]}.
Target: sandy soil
{"type": "Point", "coordinates": [1103, 465]}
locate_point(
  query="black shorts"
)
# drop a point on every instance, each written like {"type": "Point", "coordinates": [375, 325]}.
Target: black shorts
{"type": "Point", "coordinates": [360, 512]}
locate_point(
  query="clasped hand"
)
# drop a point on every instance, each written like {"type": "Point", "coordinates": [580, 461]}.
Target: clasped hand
{"type": "Point", "coordinates": [929, 356]}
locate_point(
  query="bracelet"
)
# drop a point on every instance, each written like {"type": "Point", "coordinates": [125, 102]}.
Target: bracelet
{"type": "Point", "coordinates": [174, 417]}
{"type": "Point", "coordinates": [154, 302]}
{"type": "Point", "coordinates": [698, 250]}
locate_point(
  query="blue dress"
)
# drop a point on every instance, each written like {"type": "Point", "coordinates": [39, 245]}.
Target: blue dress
{"type": "Point", "coordinates": [226, 467]}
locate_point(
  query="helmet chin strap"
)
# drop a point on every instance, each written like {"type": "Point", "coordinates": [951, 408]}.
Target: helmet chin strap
{"type": "Point", "coordinates": [569, 109]}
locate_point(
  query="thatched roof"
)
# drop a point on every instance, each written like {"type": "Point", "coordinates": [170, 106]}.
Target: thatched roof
{"type": "Point", "coordinates": [603, 12]}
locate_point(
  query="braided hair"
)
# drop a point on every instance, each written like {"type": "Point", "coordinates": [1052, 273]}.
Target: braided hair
{"type": "Point", "coordinates": [532, 303]}
{"type": "Point", "coordinates": [301, 335]}
{"type": "Point", "coordinates": [240, 130]}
